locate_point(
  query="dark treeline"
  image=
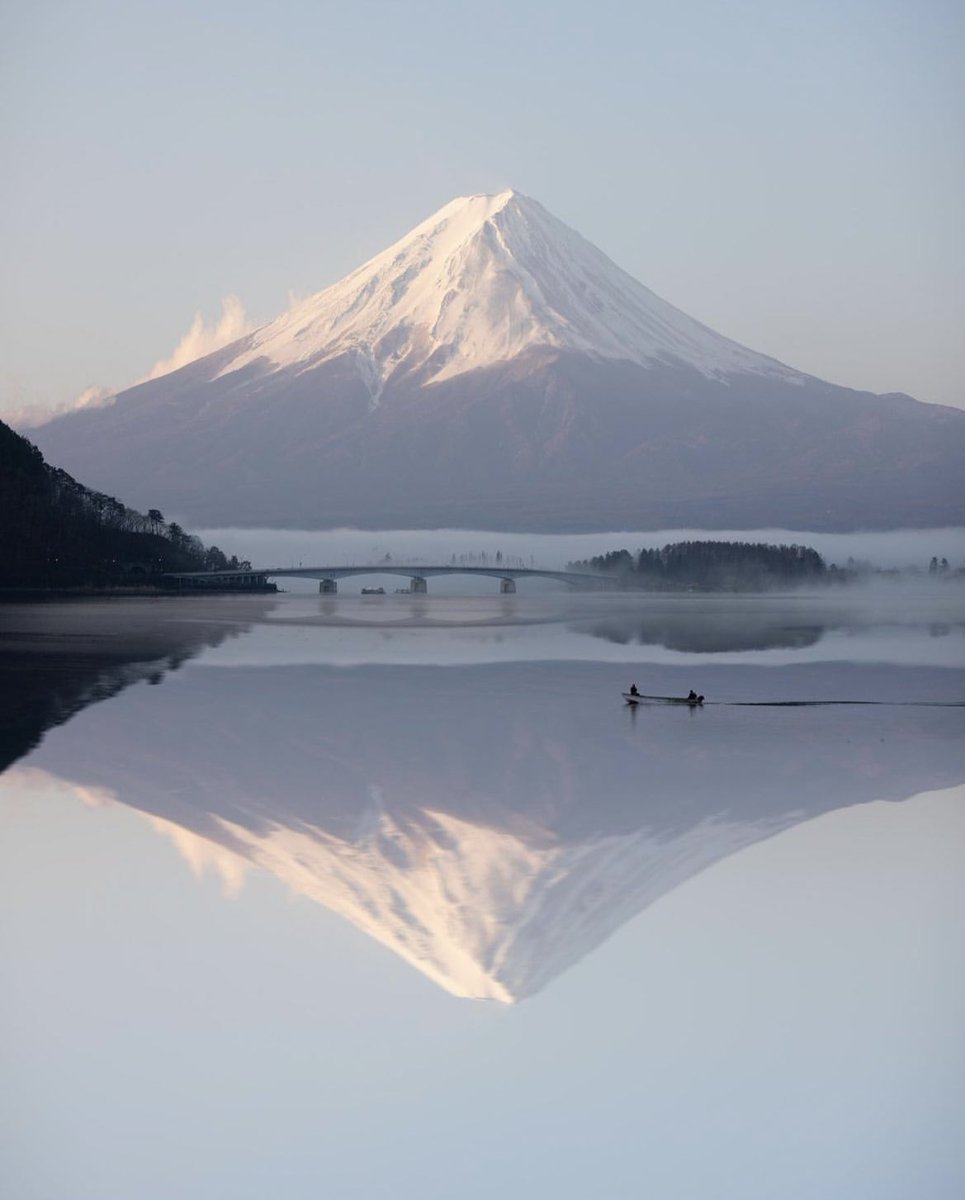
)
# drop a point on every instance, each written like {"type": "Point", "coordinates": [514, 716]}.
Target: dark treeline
{"type": "Point", "coordinates": [715, 566]}
{"type": "Point", "coordinates": [56, 533]}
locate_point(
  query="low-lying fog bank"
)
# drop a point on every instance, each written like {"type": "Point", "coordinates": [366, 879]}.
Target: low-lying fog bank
{"type": "Point", "coordinates": [290, 547]}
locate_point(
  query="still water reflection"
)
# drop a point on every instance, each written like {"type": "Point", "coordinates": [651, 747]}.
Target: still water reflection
{"type": "Point", "coordinates": [460, 781]}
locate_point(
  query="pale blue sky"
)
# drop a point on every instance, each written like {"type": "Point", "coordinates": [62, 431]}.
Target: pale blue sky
{"type": "Point", "coordinates": [790, 174]}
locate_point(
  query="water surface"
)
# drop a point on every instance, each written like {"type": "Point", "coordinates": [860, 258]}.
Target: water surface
{"type": "Point", "coordinates": [395, 896]}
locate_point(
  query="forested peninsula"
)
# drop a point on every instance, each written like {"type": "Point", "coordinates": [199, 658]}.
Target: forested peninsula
{"type": "Point", "coordinates": [713, 566]}
{"type": "Point", "coordinates": [56, 534]}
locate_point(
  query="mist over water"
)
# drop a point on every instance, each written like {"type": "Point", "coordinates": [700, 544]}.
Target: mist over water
{"type": "Point", "coordinates": [264, 547]}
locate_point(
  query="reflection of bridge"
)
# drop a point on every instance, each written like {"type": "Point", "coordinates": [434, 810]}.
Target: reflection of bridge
{"type": "Point", "coordinates": [417, 575]}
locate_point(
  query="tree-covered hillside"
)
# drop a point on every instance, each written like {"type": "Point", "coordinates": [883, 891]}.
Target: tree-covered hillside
{"type": "Point", "coordinates": [56, 533]}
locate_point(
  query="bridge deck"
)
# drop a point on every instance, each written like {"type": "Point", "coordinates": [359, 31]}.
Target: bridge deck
{"type": "Point", "coordinates": [420, 571]}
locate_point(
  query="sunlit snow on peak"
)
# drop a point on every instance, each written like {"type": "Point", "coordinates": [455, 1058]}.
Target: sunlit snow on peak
{"type": "Point", "coordinates": [480, 282]}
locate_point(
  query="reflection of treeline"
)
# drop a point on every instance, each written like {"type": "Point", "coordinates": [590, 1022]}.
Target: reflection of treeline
{"type": "Point", "coordinates": [54, 532]}
{"type": "Point", "coordinates": [705, 634]}
{"type": "Point", "coordinates": [718, 566]}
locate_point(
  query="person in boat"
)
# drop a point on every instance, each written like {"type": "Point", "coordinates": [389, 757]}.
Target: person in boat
{"type": "Point", "coordinates": [633, 690]}
{"type": "Point", "coordinates": [692, 698]}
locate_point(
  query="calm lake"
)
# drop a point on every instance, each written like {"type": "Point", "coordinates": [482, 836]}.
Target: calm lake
{"type": "Point", "coordinates": [394, 896]}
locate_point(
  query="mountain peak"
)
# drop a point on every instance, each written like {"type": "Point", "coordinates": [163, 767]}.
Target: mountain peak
{"type": "Point", "coordinates": [483, 280]}
{"type": "Point", "coordinates": [482, 204]}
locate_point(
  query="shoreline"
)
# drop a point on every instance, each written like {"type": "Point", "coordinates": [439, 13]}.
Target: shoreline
{"type": "Point", "coordinates": [19, 595]}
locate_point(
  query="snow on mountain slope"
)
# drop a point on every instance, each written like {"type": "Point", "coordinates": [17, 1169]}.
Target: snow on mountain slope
{"type": "Point", "coordinates": [481, 281]}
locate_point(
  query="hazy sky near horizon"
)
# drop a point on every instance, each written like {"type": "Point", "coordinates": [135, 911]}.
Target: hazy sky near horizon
{"type": "Point", "coordinates": [792, 175]}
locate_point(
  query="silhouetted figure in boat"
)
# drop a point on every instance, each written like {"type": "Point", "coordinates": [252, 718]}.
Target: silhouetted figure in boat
{"type": "Point", "coordinates": [633, 690]}
{"type": "Point", "coordinates": [692, 698]}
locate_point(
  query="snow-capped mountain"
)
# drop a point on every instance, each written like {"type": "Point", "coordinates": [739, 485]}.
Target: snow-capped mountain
{"type": "Point", "coordinates": [494, 369]}
{"type": "Point", "coordinates": [482, 281]}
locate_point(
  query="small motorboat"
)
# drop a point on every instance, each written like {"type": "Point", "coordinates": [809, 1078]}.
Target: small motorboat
{"type": "Point", "coordinates": [639, 698]}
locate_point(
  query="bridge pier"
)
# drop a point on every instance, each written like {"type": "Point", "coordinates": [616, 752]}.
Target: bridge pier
{"type": "Point", "coordinates": [328, 587]}
{"type": "Point", "coordinates": [507, 587]}
{"type": "Point", "coordinates": [418, 586]}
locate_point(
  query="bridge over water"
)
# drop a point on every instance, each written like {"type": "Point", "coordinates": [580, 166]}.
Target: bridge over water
{"type": "Point", "coordinates": [418, 575]}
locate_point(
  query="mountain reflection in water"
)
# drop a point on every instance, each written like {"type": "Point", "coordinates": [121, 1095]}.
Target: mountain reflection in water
{"type": "Point", "coordinates": [492, 824]}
